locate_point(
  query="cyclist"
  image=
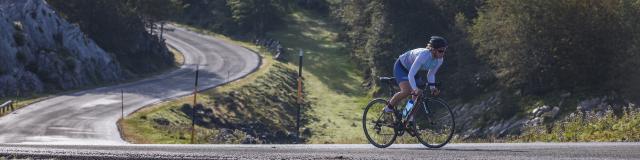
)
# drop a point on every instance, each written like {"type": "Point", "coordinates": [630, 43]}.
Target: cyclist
{"type": "Point", "coordinates": [408, 65]}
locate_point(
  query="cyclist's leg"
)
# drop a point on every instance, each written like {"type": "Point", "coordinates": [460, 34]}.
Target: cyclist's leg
{"type": "Point", "coordinates": [402, 80]}
{"type": "Point", "coordinates": [405, 91]}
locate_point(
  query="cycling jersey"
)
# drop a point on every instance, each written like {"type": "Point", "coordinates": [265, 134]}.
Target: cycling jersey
{"type": "Point", "coordinates": [420, 59]}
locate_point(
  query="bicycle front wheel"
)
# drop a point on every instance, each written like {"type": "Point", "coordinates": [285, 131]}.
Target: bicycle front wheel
{"type": "Point", "coordinates": [434, 123]}
{"type": "Point", "coordinates": [379, 127]}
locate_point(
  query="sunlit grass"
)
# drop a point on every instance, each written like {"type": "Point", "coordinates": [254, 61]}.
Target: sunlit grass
{"type": "Point", "coordinates": [331, 77]}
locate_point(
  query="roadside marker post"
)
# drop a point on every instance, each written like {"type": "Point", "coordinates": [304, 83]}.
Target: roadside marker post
{"type": "Point", "coordinates": [193, 107]}
{"type": "Point", "coordinates": [122, 102]}
{"type": "Point", "coordinates": [300, 100]}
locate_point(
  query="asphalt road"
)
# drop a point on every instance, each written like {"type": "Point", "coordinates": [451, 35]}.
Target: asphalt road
{"type": "Point", "coordinates": [89, 117]}
{"type": "Point", "coordinates": [356, 151]}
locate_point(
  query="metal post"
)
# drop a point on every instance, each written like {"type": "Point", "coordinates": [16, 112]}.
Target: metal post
{"type": "Point", "coordinates": [193, 110]}
{"type": "Point", "coordinates": [122, 102]}
{"type": "Point", "coordinates": [299, 96]}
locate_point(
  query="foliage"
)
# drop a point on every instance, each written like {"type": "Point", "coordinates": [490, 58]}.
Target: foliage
{"type": "Point", "coordinates": [117, 27]}
{"type": "Point", "coordinates": [540, 46]}
{"type": "Point", "coordinates": [379, 31]}
{"type": "Point", "coordinates": [248, 17]}
{"type": "Point", "coordinates": [588, 127]}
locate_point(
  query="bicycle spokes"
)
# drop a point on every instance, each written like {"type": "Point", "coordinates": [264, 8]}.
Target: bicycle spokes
{"type": "Point", "coordinates": [434, 124]}
{"type": "Point", "coordinates": [378, 125]}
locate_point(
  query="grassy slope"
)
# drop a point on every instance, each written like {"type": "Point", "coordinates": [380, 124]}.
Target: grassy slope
{"type": "Point", "coordinates": [331, 80]}
{"type": "Point", "coordinates": [331, 77]}
{"type": "Point", "coordinates": [139, 127]}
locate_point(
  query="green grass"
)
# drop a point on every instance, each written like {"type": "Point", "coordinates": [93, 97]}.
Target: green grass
{"type": "Point", "coordinates": [331, 77]}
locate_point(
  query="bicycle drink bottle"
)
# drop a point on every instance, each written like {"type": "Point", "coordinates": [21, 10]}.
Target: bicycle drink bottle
{"type": "Point", "coordinates": [407, 109]}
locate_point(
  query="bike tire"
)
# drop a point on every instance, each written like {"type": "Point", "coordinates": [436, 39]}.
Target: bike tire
{"type": "Point", "coordinates": [434, 129]}
{"type": "Point", "coordinates": [386, 135]}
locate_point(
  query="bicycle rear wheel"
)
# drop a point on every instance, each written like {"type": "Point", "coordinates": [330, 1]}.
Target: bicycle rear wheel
{"type": "Point", "coordinates": [434, 123]}
{"type": "Point", "coordinates": [379, 127]}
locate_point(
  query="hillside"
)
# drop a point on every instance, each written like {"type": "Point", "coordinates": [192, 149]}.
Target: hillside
{"type": "Point", "coordinates": [328, 90]}
{"type": "Point", "coordinates": [499, 81]}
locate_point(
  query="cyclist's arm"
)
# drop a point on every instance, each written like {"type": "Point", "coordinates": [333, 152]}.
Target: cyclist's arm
{"type": "Point", "coordinates": [431, 75]}
{"type": "Point", "coordinates": [415, 67]}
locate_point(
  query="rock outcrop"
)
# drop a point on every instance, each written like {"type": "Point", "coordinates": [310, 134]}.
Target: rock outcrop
{"type": "Point", "coordinates": [41, 51]}
{"type": "Point", "coordinates": [468, 115]}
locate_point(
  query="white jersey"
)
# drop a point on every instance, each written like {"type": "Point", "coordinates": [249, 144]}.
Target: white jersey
{"type": "Point", "coordinates": [420, 59]}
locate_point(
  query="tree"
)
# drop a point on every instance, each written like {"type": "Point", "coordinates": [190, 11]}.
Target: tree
{"type": "Point", "coordinates": [117, 28]}
{"type": "Point", "coordinates": [540, 46]}
{"type": "Point", "coordinates": [155, 11]}
{"type": "Point", "coordinates": [256, 15]}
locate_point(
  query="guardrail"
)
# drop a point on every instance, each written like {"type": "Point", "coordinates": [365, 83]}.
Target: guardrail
{"type": "Point", "coordinates": [6, 107]}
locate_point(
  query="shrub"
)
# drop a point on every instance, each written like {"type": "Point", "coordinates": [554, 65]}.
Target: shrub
{"type": "Point", "coordinates": [589, 127]}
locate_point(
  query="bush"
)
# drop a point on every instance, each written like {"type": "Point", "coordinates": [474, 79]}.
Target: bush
{"type": "Point", "coordinates": [537, 47]}
{"type": "Point", "coordinates": [589, 127]}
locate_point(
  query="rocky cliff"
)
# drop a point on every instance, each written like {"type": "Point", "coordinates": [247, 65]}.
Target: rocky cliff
{"type": "Point", "coordinates": [40, 51]}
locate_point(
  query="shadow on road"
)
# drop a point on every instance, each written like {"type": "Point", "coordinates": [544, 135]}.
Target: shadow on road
{"type": "Point", "coordinates": [464, 150]}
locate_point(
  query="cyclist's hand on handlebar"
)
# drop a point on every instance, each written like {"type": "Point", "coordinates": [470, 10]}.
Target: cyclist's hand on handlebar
{"type": "Point", "coordinates": [435, 92]}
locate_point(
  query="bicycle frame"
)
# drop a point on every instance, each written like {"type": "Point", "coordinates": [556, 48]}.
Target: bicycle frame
{"type": "Point", "coordinates": [418, 101]}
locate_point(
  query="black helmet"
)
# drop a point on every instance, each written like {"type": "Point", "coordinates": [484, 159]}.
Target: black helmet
{"type": "Point", "coordinates": [438, 42]}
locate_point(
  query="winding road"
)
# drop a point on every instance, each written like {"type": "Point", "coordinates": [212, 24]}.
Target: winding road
{"type": "Point", "coordinates": [89, 117]}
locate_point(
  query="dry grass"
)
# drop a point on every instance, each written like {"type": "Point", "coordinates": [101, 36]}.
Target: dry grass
{"type": "Point", "coordinates": [589, 127]}
{"type": "Point", "coordinates": [177, 56]}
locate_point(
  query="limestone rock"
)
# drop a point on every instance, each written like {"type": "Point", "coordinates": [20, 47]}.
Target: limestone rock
{"type": "Point", "coordinates": [39, 50]}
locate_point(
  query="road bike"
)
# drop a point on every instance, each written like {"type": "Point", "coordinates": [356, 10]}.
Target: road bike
{"type": "Point", "coordinates": [430, 120]}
